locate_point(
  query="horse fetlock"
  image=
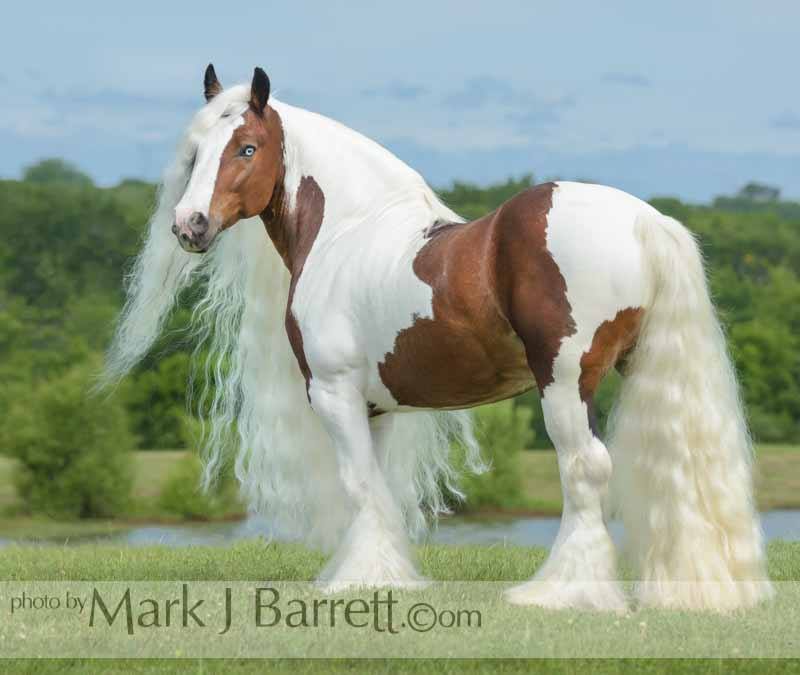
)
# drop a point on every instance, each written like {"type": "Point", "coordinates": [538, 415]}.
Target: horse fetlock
{"type": "Point", "coordinates": [375, 553]}
{"type": "Point", "coordinates": [580, 572]}
{"type": "Point", "coordinates": [601, 596]}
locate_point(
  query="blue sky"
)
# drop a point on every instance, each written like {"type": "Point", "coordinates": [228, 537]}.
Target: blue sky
{"type": "Point", "coordinates": [680, 98]}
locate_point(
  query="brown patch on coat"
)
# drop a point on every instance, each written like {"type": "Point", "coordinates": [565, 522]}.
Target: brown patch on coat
{"type": "Point", "coordinates": [612, 340]}
{"type": "Point", "coordinates": [536, 292]}
{"type": "Point", "coordinates": [293, 233]}
{"type": "Point", "coordinates": [500, 311]}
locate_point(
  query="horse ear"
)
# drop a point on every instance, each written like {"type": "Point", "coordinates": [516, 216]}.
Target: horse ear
{"type": "Point", "coordinates": [211, 84]}
{"type": "Point", "coordinates": [259, 91]}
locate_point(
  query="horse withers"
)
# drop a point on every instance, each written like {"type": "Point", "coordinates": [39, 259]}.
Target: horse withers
{"type": "Point", "coordinates": [350, 317]}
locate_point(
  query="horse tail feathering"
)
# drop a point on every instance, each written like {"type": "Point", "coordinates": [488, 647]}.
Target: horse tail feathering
{"type": "Point", "coordinates": [680, 445]}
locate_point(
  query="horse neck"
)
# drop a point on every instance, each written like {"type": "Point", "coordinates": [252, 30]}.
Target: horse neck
{"type": "Point", "coordinates": [332, 177]}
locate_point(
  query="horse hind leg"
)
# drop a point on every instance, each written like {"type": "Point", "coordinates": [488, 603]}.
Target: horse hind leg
{"type": "Point", "coordinates": [580, 571]}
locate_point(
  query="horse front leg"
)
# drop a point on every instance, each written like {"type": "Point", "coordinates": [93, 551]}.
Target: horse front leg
{"type": "Point", "coordinates": [375, 551]}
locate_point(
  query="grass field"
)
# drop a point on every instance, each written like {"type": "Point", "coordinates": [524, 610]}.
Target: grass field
{"type": "Point", "coordinates": [778, 468]}
{"type": "Point", "coordinates": [445, 667]}
{"type": "Point", "coordinates": [252, 560]}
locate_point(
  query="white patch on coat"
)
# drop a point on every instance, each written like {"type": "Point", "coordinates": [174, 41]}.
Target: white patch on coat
{"type": "Point", "coordinates": [200, 190]}
{"type": "Point", "coordinates": [340, 300]}
{"type": "Point", "coordinates": [362, 337]}
{"type": "Point", "coordinates": [374, 213]}
{"type": "Point", "coordinates": [591, 237]}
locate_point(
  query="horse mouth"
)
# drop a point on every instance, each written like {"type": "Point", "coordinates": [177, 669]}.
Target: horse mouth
{"type": "Point", "coordinates": [193, 247]}
{"type": "Point", "coordinates": [195, 244]}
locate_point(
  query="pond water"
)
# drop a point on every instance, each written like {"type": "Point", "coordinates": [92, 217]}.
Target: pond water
{"type": "Point", "coordinates": [779, 524]}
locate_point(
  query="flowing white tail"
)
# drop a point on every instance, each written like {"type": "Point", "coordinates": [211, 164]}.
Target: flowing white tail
{"type": "Point", "coordinates": [679, 441]}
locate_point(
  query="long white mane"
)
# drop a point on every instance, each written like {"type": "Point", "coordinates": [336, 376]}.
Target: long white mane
{"type": "Point", "coordinates": [254, 400]}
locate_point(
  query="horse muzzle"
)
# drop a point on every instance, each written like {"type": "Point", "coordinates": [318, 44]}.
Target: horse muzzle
{"type": "Point", "coordinates": [194, 232]}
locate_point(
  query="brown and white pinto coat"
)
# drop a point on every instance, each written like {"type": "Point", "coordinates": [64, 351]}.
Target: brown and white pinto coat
{"type": "Point", "coordinates": [499, 300]}
{"type": "Point", "coordinates": [395, 305]}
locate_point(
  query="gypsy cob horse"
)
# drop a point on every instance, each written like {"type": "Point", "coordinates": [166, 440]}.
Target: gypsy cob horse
{"type": "Point", "coordinates": [350, 316]}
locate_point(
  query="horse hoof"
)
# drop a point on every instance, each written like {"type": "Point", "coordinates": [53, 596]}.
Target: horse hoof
{"type": "Point", "coordinates": [599, 596]}
{"type": "Point", "coordinates": [344, 585]}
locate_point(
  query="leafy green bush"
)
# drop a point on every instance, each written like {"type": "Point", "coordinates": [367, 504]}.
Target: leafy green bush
{"type": "Point", "coordinates": [182, 495]}
{"type": "Point", "coordinates": [73, 449]}
{"type": "Point", "coordinates": [157, 402]}
{"type": "Point", "coordinates": [503, 430]}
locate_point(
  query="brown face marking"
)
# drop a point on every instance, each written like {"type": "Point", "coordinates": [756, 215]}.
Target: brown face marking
{"type": "Point", "coordinates": [293, 233]}
{"type": "Point", "coordinates": [245, 185]}
{"type": "Point", "coordinates": [499, 306]}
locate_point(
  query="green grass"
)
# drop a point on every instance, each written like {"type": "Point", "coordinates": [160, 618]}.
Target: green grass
{"type": "Point", "coordinates": [421, 666]}
{"type": "Point", "coordinates": [257, 560]}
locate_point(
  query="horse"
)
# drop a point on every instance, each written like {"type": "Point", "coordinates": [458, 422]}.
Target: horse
{"type": "Point", "coordinates": [350, 319]}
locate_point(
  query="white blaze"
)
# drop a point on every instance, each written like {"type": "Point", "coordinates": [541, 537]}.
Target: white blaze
{"type": "Point", "coordinates": [200, 189]}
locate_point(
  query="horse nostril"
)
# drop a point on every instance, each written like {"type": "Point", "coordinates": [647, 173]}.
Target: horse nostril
{"type": "Point", "coordinates": [184, 236]}
{"type": "Point", "coordinates": [174, 228]}
{"type": "Point", "coordinates": [198, 223]}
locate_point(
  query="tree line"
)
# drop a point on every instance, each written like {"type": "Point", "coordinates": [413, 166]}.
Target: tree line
{"type": "Point", "coordinates": [65, 244]}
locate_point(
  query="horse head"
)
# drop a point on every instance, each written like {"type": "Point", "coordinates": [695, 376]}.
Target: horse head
{"type": "Point", "coordinates": [237, 164]}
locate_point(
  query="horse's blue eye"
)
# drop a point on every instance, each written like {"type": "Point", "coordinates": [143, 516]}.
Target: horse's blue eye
{"type": "Point", "coordinates": [248, 151]}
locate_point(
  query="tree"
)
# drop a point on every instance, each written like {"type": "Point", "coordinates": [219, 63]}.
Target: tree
{"type": "Point", "coordinates": [56, 171]}
{"type": "Point", "coordinates": [759, 192]}
{"type": "Point", "coordinates": [74, 452]}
